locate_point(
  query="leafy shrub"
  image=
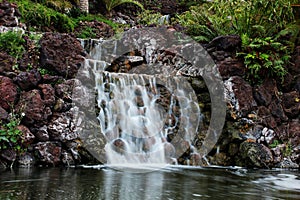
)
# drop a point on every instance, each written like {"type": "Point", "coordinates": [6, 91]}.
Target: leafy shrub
{"type": "Point", "coordinates": [110, 4]}
{"type": "Point", "coordinates": [12, 42]}
{"type": "Point", "coordinates": [148, 17]}
{"type": "Point", "coordinates": [256, 18]}
{"type": "Point", "coordinates": [10, 135]}
{"type": "Point", "coordinates": [38, 15]}
{"type": "Point", "coordinates": [264, 57]}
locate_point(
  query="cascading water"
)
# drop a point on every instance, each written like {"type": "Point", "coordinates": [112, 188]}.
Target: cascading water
{"type": "Point", "coordinates": [138, 118]}
{"type": "Point", "coordinates": [148, 115]}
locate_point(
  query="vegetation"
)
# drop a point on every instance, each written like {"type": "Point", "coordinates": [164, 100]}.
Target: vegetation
{"type": "Point", "coordinates": [12, 43]}
{"type": "Point", "coordinates": [10, 135]}
{"type": "Point", "coordinates": [267, 30]}
{"type": "Point", "coordinates": [110, 4]}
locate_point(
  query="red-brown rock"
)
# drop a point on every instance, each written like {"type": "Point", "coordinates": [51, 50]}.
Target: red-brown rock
{"type": "Point", "coordinates": [8, 91]}
{"type": "Point", "coordinates": [61, 53]}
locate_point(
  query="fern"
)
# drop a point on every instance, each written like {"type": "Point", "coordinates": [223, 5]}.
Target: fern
{"type": "Point", "coordinates": [110, 4]}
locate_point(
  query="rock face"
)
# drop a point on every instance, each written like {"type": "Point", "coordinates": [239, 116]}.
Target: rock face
{"type": "Point", "coordinates": [61, 53]}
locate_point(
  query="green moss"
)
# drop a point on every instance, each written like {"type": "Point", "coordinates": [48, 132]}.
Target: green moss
{"type": "Point", "coordinates": [12, 43]}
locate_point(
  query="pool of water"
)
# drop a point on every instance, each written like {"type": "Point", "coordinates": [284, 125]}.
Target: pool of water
{"type": "Point", "coordinates": [168, 183]}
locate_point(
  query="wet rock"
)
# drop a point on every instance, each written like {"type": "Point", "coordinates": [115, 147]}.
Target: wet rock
{"type": "Point", "coordinates": [28, 80]}
{"type": "Point", "coordinates": [291, 104]}
{"type": "Point", "coordinates": [6, 62]}
{"type": "Point", "coordinates": [25, 160]}
{"type": "Point", "coordinates": [48, 153]}
{"type": "Point", "coordinates": [288, 164]}
{"type": "Point", "coordinates": [62, 127]}
{"type": "Point", "coordinates": [256, 155]}
{"type": "Point", "coordinates": [119, 146]}
{"type": "Point", "coordinates": [32, 104]}
{"type": "Point", "coordinates": [61, 53]}
{"type": "Point", "coordinates": [242, 91]}
{"type": "Point", "coordinates": [8, 155]}
{"type": "Point", "coordinates": [48, 94]}
{"type": "Point", "coordinates": [8, 91]}
{"type": "Point", "coordinates": [27, 136]}
{"type": "Point", "coordinates": [67, 158]}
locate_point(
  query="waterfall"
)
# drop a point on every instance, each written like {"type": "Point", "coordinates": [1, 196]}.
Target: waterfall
{"type": "Point", "coordinates": [148, 115]}
{"type": "Point", "coordinates": [137, 117]}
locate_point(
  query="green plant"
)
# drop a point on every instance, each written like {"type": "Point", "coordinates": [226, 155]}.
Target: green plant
{"type": "Point", "coordinates": [256, 18]}
{"type": "Point", "coordinates": [110, 4]}
{"type": "Point", "coordinates": [87, 32]}
{"type": "Point", "coordinates": [39, 16]}
{"type": "Point", "coordinates": [148, 17]}
{"type": "Point", "coordinates": [264, 57]}
{"type": "Point", "coordinates": [10, 135]}
{"type": "Point", "coordinates": [12, 42]}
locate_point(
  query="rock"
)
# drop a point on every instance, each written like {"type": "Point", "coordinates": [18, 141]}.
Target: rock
{"type": "Point", "coordinates": [48, 94]}
{"type": "Point", "coordinates": [6, 62]}
{"type": "Point", "coordinates": [9, 14]}
{"type": "Point", "coordinates": [61, 127]}
{"type": "Point", "coordinates": [25, 160]}
{"type": "Point", "coordinates": [295, 69]}
{"type": "Point", "coordinates": [226, 43]}
{"type": "Point", "coordinates": [42, 134]}
{"type": "Point", "coordinates": [67, 158]}
{"type": "Point", "coordinates": [8, 91]}
{"type": "Point", "coordinates": [294, 132]}
{"type": "Point", "coordinates": [8, 155]}
{"type": "Point", "coordinates": [61, 53]}
{"type": "Point", "coordinates": [277, 111]}
{"type": "Point", "coordinates": [48, 153]}
{"type": "Point", "coordinates": [263, 94]}
{"type": "Point", "coordinates": [288, 164]}
{"type": "Point", "coordinates": [3, 114]}
{"type": "Point", "coordinates": [231, 67]}
{"type": "Point", "coordinates": [242, 92]}
{"type": "Point", "coordinates": [266, 117]}
{"type": "Point", "coordinates": [27, 137]}
{"type": "Point", "coordinates": [291, 104]}
{"type": "Point", "coordinates": [256, 155]}
{"type": "Point", "coordinates": [32, 104]}
{"type": "Point", "coordinates": [28, 80]}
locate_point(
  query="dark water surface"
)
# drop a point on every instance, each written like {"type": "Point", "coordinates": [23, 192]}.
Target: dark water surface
{"type": "Point", "coordinates": [169, 183]}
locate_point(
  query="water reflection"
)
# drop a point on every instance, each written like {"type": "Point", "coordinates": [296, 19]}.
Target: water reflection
{"type": "Point", "coordinates": [173, 183]}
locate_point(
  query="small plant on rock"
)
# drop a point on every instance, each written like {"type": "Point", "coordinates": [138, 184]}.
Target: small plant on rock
{"type": "Point", "coordinates": [12, 43]}
{"type": "Point", "coordinates": [10, 135]}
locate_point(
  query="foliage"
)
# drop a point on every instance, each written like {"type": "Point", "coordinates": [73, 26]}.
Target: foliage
{"type": "Point", "coordinates": [87, 32]}
{"type": "Point", "coordinates": [256, 18]}
{"type": "Point", "coordinates": [110, 4]}
{"type": "Point", "coordinates": [38, 15]}
{"type": "Point", "coordinates": [148, 17]}
{"type": "Point", "coordinates": [10, 135]}
{"type": "Point", "coordinates": [12, 42]}
{"type": "Point", "coordinates": [264, 57]}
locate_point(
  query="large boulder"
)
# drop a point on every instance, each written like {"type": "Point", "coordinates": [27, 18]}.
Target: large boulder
{"type": "Point", "coordinates": [61, 53]}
